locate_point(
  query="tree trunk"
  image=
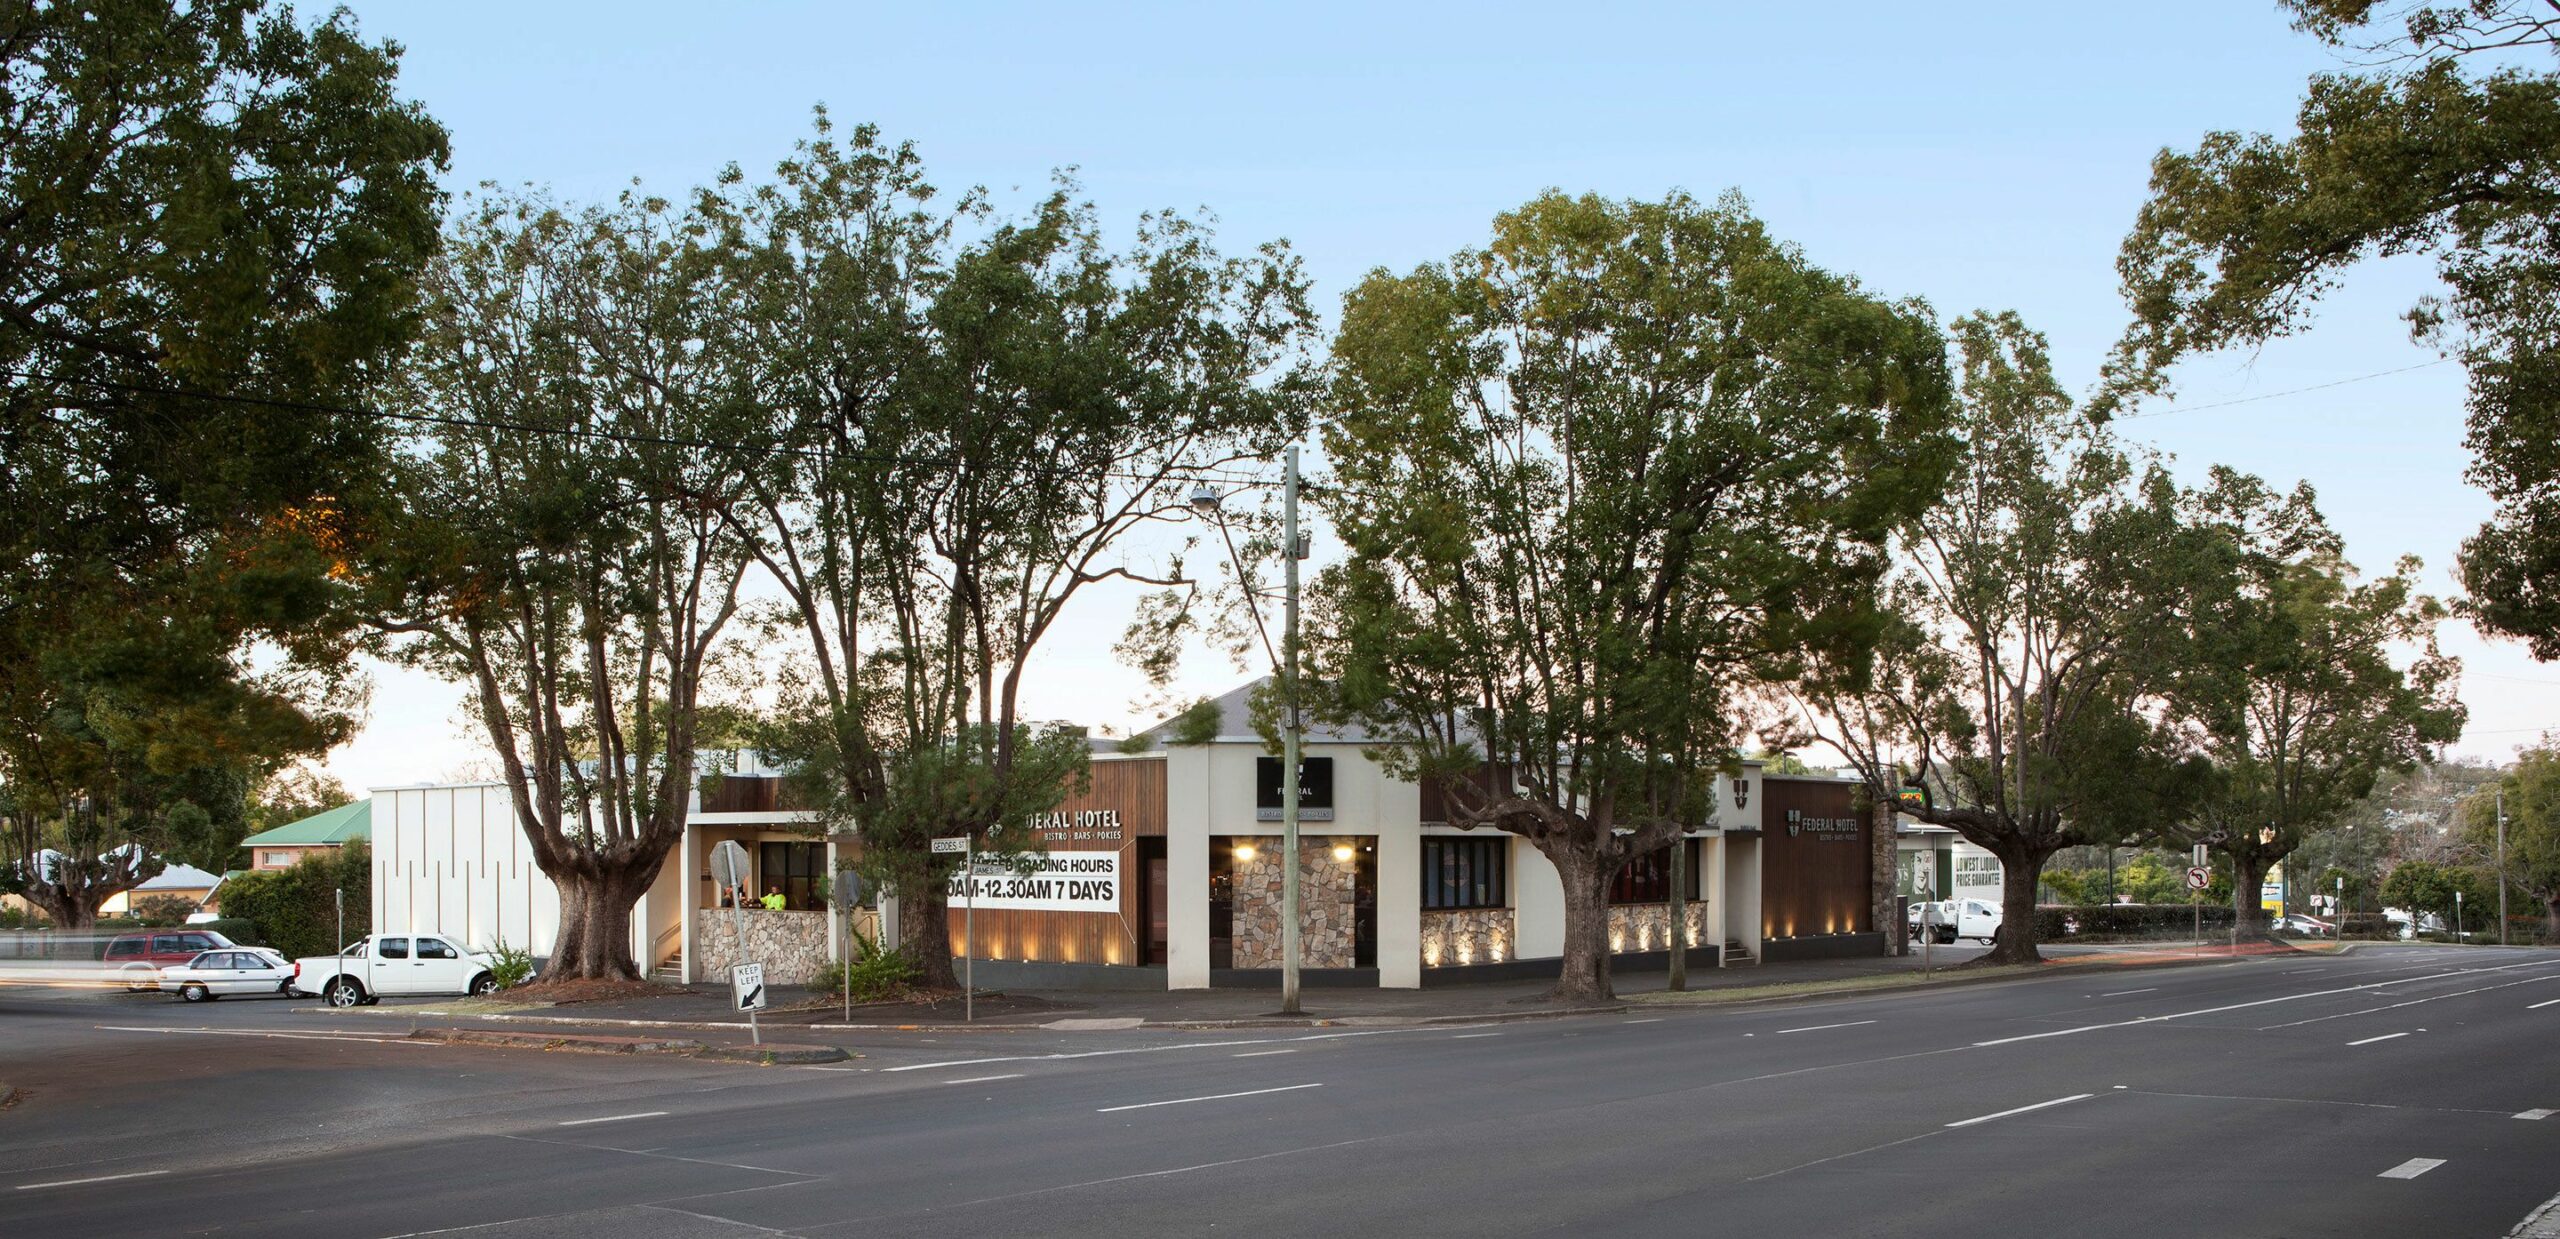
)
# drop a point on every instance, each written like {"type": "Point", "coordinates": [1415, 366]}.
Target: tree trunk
{"type": "Point", "coordinates": [1585, 976]}
{"type": "Point", "coordinates": [595, 924]}
{"type": "Point", "coordinates": [2551, 921]}
{"type": "Point", "coordinates": [2016, 941]}
{"type": "Point", "coordinates": [924, 933]}
{"type": "Point", "coordinates": [70, 913]}
{"type": "Point", "coordinates": [2250, 922]}
{"type": "Point", "coordinates": [1882, 852]}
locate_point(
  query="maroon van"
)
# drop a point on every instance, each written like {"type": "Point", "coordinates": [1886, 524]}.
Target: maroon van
{"type": "Point", "coordinates": [135, 959]}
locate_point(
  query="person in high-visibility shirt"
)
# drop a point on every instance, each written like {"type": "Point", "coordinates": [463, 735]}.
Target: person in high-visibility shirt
{"type": "Point", "coordinates": [773, 900]}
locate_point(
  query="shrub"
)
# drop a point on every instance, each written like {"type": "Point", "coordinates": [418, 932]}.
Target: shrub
{"type": "Point", "coordinates": [2369, 925]}
{"type": "Point", "coordinates": [512, 966]}
{"type": "Point", "coordinates": [295, 909]}
{"type": "Point", "coordinates": [878, 973]}
{"type": "Point", "coordinates": [239, 930]}
{"type": "Point", "coordinates": [158, 910]}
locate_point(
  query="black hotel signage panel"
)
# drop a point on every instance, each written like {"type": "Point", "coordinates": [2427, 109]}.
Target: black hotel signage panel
{"type": "Point", "coordinates": [1315, 789]}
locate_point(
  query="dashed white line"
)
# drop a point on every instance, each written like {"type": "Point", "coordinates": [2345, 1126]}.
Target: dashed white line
{"type": "Point", "coordinates": [1263, 1053]}
{"type": "Point", "coordinates": [2411, 1168]}
{"type": "Point", "coordinates": [2122, 992]}
{"type": "Point", "coordinates": [1472, 1036]}
{"type": "Point", "coordinates": [2241, 1006]}
{"type": "Point", "coordinates": [615, 1118]}
{"type": "Point", "coordinates": [1656, 1019]}
{"type": "Point", "coordinates": [984, 1079]}
{"type": "Point", "coordinates": [2540, 1005]}
{"type": "Point", "coordinates": [104, 1178]}
{"type": "Point", "coordinates": [1184, 1101]}
{"type": "Point", "coordinates": [2383, 1037]}
{"type": "Point", "coordinates": [2536, 1115]}
{"type": "Point", "coordinates": [2041, 1105]}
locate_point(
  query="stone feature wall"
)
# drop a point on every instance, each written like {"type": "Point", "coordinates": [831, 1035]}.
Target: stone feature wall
{"type": "Point", "coordinates": [1466, 937]}
{"type": "Point", "coordinates": [792, 946]}
{"type": "Point", "coordinates": [1647, 926]}
{"type": "Point", "coordinates": [1325, 890]}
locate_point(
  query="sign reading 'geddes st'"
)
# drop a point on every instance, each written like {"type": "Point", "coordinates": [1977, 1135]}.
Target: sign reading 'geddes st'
{"type": "Point", "coordinates": [1056, 882]}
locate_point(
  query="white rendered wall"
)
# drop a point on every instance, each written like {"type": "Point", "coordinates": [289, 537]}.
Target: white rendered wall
{"type": "Point", "coordinates": [1186, 855]}
{"type": "Point", "coordinates": [450, 860]}
{"type": "Point", "coordinates": [1537, 902]}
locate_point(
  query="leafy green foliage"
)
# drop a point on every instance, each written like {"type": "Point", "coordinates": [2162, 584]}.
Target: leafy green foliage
{"type": "Point", "coordinates": [877, 974]}
{"type": "Point", "coordinates": [2422, 152]}
{"type": "Point", "coordinates": [510, 966]}
{"type": "Point", "coordinates": [198, 198]}
{"type": "Point", "coordinates": [295, 909]}
{"type": "Point", "coordinates": [1597, 480]}
{"type": "Point", "coordinates": [2531, 791]}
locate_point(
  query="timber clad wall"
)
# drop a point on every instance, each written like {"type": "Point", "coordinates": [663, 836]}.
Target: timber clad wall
{"type": "Point", "coordinates": [1133, 788]}
{"type": "Point", "coordinates": [1813, 859]}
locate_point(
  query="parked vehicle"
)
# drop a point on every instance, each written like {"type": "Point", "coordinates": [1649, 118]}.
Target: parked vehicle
{"type": "Point", "coordinates": [239, 970]}
{"type": "Point", "coordinates": [1959, 918]}
{"type": "Point", "coordinates": [1933, 911]}
{"type": "Point", "coordinates": [394, 964]}
{"type": "Point", "coordinates": [134, 959]}
{"type": "Point", "coordinates": [2303, 926]}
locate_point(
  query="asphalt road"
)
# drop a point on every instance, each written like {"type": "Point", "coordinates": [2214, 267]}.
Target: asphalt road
{"type": "Point", "coordinates": [2394, 1091]}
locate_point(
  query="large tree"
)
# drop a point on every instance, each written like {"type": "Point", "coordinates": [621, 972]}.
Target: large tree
{"type": "Point", "coordinates": [2050, 580]}
{"type": "Point", "coordinates": [1595, 481]}
{"type": "Point", "coordinates": [978, 436]}
{"type": "Point", "coordinates": [211, 220]}
{"type": "Point", "coordinates": [2529, 794]}
{"type": "Point", "coordinates": [565, 546]}
{"type": "Point", "coordinates": [2289, 690]}
{"type": "Point", "coordinates": [2443, 139]}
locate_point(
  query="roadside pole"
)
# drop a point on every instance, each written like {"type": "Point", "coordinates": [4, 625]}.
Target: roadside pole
{"type": "Point", "coordinates": [966, 848]}
{"type": "Point", "coordinates": [1292, 750]}
{"type": "Point", "coordinates": [2502, 866]}
{"type": "Point", "coordinates": [729, 869]}
{"type": "Point", "coordinates": [1679, 979]}
{"type": "Point", "coordinates": [1928, 936]}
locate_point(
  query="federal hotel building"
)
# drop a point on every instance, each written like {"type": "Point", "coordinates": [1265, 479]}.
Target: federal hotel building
{"type": "Point", "coordinates": [1167, 873]}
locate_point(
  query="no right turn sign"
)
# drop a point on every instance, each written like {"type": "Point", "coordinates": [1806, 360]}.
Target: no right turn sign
{"type": "Point", "coordinates": [2199, 878]}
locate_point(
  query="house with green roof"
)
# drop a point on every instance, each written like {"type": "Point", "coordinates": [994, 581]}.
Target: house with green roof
{"type": "Point", "coordinates": [281, 847]}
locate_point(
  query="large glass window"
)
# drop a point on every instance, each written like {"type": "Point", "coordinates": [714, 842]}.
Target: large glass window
{"type": "Point", "coordinates": [1647, 879]}
{"type": "Point", "coordinates": [1466, 873]}
{"type": "Point", "coordinates": [793, 869]}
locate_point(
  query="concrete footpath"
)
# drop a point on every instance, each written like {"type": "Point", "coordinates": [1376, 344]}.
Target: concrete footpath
{"type": "Point", "coordinates": [707, 1006]}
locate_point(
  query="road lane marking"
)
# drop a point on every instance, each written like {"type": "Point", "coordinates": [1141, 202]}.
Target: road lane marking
{"type": "Point", "coordinates": [615, 1118]}
{"type": "Point", "coordinates": [2041, 1105]}
{"type": "Point", "coordinates": [1184, 1101]}
{"type": "Point", "coordinates": [2540, 1005]}
{"type": "Point", "coordinates": [2536, 1114]}
{"type": "Point", "coordinates": [1819, 1027]}
{"type": "Point", "coordinates": [2122, 992]}
{"type": "Point", "coordinates": [2295, 972]}
{"type": "Point", "coordinates": [1472, 1036]}
{"type": "Point", "coordinates": [2242, 1006]}
{"type": "Point", "coordinates": [2460, 993]}
{"type": "Point", "coordinates": [2411, 1168]}
{"type": "Point", "coordinates": [1649, 1020]}
{"type": "Point", "coordinates": [1154, 1049]}
{"type": "Point", "coordinates": [104, 1178]}
{"type": "Point", "coordinates": [264, 1035]}
{"type": "Point", "coordinates": [2383, 1037]}
{"type": "Point", "coordinates": [1264, 1053]}
{"type": "Point", "coordinates": [984, 1079]}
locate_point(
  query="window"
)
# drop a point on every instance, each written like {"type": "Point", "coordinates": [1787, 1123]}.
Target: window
{"type": "Point", "coordinates": [793, 869]}
{"type": "Point", "coordinates": [394, 948]}
{"type": "Point", "coordinates": [124, 948]}
{"type": "Point", "coordinates": [358, 950]}
{"type": "Point", "coordinates": [197, 942]}
{"type": "Point", "coordinates": [1647, 879]}
{"type": "Point", "coordinates": [1466, 873]}
{"type": "Point", "coordinates": [436, 948]}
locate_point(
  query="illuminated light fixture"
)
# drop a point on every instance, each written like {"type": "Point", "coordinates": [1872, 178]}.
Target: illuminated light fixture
{"type": "Point", "coordinates": [1466, 952]}
{"type": "Point", "coordinates": [1618, 941]}
{"type": "Point", "coordinates": [1244, 851]}
{"type": "Point", "coordinates": [1342, 852]}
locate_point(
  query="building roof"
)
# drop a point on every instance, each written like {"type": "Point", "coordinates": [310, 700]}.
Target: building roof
{"type": "Point", "coordinates": [331, 829]}
{"type": "Point", "coordinates": [1235, 725]}
{"type": "Point", "coordinates": [179, 877]}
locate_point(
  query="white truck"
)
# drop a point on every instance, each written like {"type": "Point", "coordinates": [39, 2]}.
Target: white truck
{"type": "Point", "coordinates": [383, 964]}
{"type": "Point", "coordinates": [1950, 919]}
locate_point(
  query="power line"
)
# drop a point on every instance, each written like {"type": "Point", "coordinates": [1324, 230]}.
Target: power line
{"type": "Point", "coordinates": [2277, 395]}
{"type": "Point", "coordinates": [1172, 474]}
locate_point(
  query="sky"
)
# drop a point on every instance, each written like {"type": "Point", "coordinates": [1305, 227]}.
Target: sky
{"type": "Point", "coordinates": [1981, 156]}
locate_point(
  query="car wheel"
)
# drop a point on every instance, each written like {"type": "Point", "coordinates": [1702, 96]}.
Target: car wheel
{"type": "Point", "coordinates": [194, 993]}
{"type": "Point", "coordinates": [483, 985]}
{"type": "Point", "coordinates": [140, 980]}
{"type": "Point", "coordinates": [343, 993]}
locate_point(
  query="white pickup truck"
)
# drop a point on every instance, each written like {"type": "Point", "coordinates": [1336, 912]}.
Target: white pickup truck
{"type": "Point", "coordinates": [394, 964]}
{"type": "Point", "coordinates": [1951, 919]}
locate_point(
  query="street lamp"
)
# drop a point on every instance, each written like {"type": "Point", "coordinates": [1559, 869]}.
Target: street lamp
{"type": "Point", "coordinates": [1204, 500]}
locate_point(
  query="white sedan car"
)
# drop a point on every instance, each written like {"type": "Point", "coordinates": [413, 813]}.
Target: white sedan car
{"type": "Point", "coordinates": [235, 970]}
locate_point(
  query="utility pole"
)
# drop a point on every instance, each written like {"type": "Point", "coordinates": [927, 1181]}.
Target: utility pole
{"type": "Point", "coordinates": [1679, 944]}
{"type": "Point", "coordinates": [2502, 866]}
{"type": "Point", "coordinates": [1292, 551]}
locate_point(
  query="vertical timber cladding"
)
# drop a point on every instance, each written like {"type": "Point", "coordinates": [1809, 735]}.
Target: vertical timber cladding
{"type": "Point", "coordinates": [1124, 804]}
{"type": "Point", "coordinates": [1813, 859]}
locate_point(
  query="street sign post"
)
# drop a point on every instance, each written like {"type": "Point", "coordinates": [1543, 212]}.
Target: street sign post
{"type": "Point", "coordinates": [2199, 878]}
{"type": "Point", "coordinates": [962, 846]}
{"type": "Point", "coordinates": [729, 872]}
{"type": "Point", "coordinates": [847, 890]}
{"type": "Point", "coordinates": [746, 988]}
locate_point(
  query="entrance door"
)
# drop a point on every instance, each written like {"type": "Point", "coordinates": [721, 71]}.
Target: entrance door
{"type": "Point", "coordinates": [1153, 871]}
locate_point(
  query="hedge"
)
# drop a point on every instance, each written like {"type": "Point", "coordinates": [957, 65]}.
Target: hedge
{"type": "Point", "coordinates": [294, 910]}
{"type": "Point", "coordinates": [2126, 920]}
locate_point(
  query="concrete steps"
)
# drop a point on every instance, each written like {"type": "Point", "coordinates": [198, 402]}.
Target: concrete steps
{"type": "Point", "coordinates": [1736, 955]}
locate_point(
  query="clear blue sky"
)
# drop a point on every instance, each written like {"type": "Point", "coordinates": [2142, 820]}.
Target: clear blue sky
{"type": "Point", "coordinates": [1978, 156]}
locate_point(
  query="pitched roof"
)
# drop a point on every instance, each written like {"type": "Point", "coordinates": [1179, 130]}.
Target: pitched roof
{"type": "Point", "coordinates": [1235, 725]}
{"type": "Point", "coordinates": [337, 826]}
{"type": "Point", "coordinates": [179, 877]}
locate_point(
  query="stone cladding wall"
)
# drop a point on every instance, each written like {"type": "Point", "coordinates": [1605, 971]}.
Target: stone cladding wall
{"type": "Point", "coordinates": [1325, 890]}
{"type": "Point", "coordinates": [792, 946]}
{"type": "Point", "coordinates": [1466, 936]}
